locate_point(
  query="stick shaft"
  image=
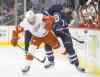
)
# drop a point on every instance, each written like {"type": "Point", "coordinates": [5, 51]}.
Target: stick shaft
{"type": "Point", "coordinates": [41, 61]}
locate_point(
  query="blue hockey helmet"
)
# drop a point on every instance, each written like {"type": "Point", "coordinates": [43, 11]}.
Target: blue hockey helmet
{"type": "Point", "coordinates": [55, 8]}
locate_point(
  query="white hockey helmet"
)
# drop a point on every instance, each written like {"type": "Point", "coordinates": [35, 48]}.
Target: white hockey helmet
{"type": "Point", "coordinates": [30, 16]}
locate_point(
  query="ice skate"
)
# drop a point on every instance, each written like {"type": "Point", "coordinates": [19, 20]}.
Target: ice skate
{"type": "Point", "coordinates": [26, 69]}
{"type": "Point", "coordinates": [80, 69]}
{"type": "Point", "coordinates": [49, 65]}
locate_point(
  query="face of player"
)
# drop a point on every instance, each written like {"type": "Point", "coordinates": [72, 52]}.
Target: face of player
{"type": "Point", "coordinates": [31, 20]}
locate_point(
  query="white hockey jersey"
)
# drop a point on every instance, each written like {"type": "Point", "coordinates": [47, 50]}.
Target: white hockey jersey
{"type": "Point", "coordinates": [38, 29]}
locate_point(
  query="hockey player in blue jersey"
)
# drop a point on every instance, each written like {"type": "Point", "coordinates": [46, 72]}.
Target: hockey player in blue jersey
{"type": "Point", "coordinates": [61, 29]}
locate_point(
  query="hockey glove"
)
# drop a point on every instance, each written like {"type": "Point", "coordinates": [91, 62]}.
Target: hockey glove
{"type": "Point", "coordinates": [14, 39]}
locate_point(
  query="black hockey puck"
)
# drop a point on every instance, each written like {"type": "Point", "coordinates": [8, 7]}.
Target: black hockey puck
{"type": "Point", "coordinates": [86, 31]}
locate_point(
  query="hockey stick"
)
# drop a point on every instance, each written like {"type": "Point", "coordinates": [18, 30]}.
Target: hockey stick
{"type": "Point", "coordinates": [41, 61]}
{"type": "Point", "coordinates": [79, 41]}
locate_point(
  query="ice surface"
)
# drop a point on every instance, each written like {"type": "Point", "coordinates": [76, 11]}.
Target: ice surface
{"type": "Point", "coordinates": [12, 62]}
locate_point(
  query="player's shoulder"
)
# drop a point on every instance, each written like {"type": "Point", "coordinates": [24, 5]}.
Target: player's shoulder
{"type": "Point", "coordinates": [38, 15]}
{"type": "Point", "coordinates": [48, 17]}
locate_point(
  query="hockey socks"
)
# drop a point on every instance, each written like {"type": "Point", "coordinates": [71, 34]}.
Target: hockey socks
{"type": "Point", "coordinates": [50, 57]}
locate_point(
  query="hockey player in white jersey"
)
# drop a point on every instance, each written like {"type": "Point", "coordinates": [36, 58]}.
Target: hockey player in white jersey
{"type": "Point", "coordinates": [38, 29]}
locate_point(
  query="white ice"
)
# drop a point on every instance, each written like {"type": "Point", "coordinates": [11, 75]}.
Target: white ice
{"type": "Point", "coordinates": [12, 61]}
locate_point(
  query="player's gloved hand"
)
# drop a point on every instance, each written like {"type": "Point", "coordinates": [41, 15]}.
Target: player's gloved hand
{"type": "Point", "coordinates": [14, 39]}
